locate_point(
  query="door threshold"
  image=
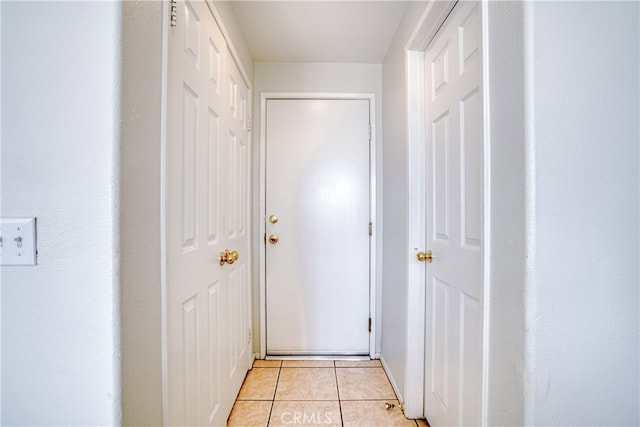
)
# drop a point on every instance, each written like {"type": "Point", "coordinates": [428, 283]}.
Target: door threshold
{"type": "Point", "coordinates": [318, 357]}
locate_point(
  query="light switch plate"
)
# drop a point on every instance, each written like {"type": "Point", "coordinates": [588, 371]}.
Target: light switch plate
{"type": "Point", "coordinates": [18, 241]}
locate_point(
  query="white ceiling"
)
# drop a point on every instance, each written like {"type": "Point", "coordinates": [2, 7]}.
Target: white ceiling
{"type": "Point", "coordinates": [319, 31]}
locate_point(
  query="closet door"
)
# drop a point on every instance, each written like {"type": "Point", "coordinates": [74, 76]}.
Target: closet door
{"type": "Point", "coordinates": [207, 294]}
{"type": "Point", "coordinates": [455, 220]}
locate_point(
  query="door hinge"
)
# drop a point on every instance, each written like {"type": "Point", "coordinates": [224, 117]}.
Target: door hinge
{"type": "Point", "coordinates": [173, 12]}
{"type": "Point", "coordinates": [249, 337]}
{"type": "Point", "coordinates": [369, 324]}
{"type": "Point", "coordinates": [370, 229]}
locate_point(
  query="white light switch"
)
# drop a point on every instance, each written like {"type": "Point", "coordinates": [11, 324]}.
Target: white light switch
{"type": "Point", "coordinates": [17, 241]}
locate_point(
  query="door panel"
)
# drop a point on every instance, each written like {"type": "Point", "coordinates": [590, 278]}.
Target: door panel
{"type": "Point", "coordinates": [441, 186]}
{"type": "Point", "coordinates": [470, 359]}
{"type": "Point", "coordinates": [213, 170]}
{"type": "Point", "coordinates": [317, 183]}
{"type": "Point", "coordinates": [214, 382]}
{"type": "Point", "coordinates": [455, 210]}
{"type": "Point", "coordinates": [207, 307]}
{"type": "Point", "coordinates": [439, 346]}
{"type": "Point", "coordinates": [191, 366]}
{"type": "Point", "coordinates": [472, 172]}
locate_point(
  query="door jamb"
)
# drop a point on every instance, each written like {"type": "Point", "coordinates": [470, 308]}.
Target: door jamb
{"type": "Point", "coordinates": [433, 18]}
{"type": "Point", "coordinates": [374, 278]}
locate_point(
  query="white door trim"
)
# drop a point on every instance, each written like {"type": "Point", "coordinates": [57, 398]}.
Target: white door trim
{"type": "Point", "coordinates": [416, 234]}
{"type": "Point", "coordinates": [433, 18]}
{"type": "Point", "coordinates": [163, 179]}
{"type": "Point", "coordinates": [163, 215]}
{"type": "Point", "coordinates": [261, 214]}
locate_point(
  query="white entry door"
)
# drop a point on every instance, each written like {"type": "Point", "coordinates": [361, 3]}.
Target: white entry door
{"type": "Point", "coordinates": [317, 208]}
{"type": "Point", "coordinates": [455, 221]}
{"type": "Point", "coordinates": [207, 303]}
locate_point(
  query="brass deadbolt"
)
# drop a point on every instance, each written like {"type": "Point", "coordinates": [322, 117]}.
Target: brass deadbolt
{"type": "Point", "coordinates": [273, 239]}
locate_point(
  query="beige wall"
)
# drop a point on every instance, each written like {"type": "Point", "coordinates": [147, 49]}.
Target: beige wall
{"type": "Point", "coordinates": [140, 207]}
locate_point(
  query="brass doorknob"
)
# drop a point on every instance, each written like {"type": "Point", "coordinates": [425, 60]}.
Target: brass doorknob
{"type": "Point", "coordinates": [273, 239]}
{"type": "Point", "coordinates": [425, 256]}
{"type": "Point", "coordinates": [273, 219]}
{"type": "Point", "coordinates": [233, 257]}
{"type": "Point", "coordinates": [228, 257]}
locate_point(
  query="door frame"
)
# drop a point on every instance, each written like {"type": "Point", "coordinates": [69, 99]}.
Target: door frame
{"type": "Point", "coordinates": [166, 28]}
{"type": "Point", "coordinates": [433, 18]}
{"type": "Point", "coordinates": [373, 203]}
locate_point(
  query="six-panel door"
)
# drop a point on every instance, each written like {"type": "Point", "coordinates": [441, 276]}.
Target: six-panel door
{"type": "Point", "coordinates": [455, 220]}
{"type": "Point", "coordinates": [207, 304]}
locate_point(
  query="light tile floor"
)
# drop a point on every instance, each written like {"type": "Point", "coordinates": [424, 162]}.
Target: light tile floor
{"type": "Point", "coordinates": [317, 392]}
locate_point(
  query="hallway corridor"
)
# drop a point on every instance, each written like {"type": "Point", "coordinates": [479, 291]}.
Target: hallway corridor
{"type": "Point", "coordinates": [317, 392]}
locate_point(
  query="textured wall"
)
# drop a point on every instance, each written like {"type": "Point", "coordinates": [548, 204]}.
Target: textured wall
{"type": "Point", "coordinates": [510, 198]}
{"type": "Point", "coordinates": [587, 96]}
{"type": "Point", "coordinates": [140, 208]}
{"type": "Point", "coordinates": [60, 90]}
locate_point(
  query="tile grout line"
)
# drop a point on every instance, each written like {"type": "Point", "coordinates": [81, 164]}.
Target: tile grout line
{"type": "Point", "coordinates": [335, 372]}
{"type": "Point", "coordinates": [273, 401]}
{"type": "Point", "coordinates": [339, 397]}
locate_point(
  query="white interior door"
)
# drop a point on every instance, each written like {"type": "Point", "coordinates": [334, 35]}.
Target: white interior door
{"type": "Point", "coordinates": [454, 223]}
{"type": "Point", "coordinates": [317, 185]}
{"type": "Point", "coordinates": [207, 304]}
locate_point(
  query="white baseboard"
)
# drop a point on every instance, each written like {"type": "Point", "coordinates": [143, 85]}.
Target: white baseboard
{"type": "Point", "coordinates": [392, 380]}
